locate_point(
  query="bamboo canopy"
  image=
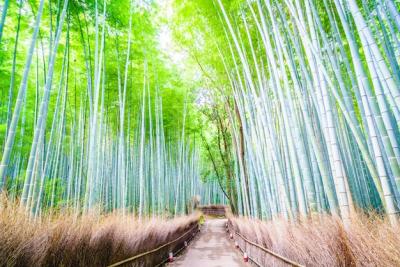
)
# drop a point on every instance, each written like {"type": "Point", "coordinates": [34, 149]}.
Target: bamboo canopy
{"type": "Point", "coordinates": [277, 108]}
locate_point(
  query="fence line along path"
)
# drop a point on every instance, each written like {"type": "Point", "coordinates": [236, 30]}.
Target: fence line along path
{"type": "Point", "coordinates": [211, 249]}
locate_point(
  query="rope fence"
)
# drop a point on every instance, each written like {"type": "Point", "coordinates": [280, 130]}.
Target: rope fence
{"type": "Point", "coordinates": [193, 230]}
{"type": "Point", "coordinates": [265, 250]}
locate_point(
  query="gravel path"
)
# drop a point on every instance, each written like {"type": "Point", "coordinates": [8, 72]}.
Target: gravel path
{"type": "Point", "coordinates": [211, 249]}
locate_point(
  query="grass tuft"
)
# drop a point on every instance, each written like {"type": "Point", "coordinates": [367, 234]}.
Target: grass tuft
{"type": "Point", "coordinates": [64, 240]}
{"type": "Point", "coordinates": [323, 241]}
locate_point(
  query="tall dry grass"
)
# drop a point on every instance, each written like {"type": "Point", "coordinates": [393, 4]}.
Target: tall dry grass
{"type": "Point", "coordinates": [323, 241]}
{"type": "Point", "coordinates": [64, 240]}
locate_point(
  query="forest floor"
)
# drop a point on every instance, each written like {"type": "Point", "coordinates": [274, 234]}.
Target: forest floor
{"type": "Point", "coordinates": [212, 248]}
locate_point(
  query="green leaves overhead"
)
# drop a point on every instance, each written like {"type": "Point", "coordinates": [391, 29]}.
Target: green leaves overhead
{"type": "Point", "coordinates": [311, 93]}
{"type": "Point", "coordinates": [100, 117]}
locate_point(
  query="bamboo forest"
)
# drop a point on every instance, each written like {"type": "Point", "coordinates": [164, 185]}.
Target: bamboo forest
{"type": "Point", "coordinates": [199, 133]}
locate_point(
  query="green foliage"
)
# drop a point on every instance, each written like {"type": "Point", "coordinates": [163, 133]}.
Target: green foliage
{"type": "Point", "coordinates": [144, 51]}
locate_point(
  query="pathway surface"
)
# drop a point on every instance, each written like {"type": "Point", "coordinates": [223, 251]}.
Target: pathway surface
{"type": "Point", "coordinates": [211, 249]}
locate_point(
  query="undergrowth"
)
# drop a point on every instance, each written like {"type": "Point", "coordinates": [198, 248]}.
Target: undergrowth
{"type": "Point", "coordinates": [87, 240]}
{"type": "Point", "coordinates": [323, 241]}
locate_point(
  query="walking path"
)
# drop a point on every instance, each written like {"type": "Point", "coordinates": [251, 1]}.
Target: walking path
{"type": "Point", "coordinates": [211, 249]}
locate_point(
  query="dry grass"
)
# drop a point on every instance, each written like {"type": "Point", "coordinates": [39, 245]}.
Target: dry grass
{"type": "Point", "coordinates": [63, 240]}
{"type": "Point", "coordinates": [323, 241]}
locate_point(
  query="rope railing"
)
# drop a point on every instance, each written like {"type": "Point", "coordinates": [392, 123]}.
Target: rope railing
{"type": "Point", "coordinates": [131, 259]}
{"type": "Point", "coordinates": [268, 251]}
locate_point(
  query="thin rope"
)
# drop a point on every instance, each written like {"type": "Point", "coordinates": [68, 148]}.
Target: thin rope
{"type": "Point", "coordinates": [153, 250]}
{"type": "Point", "coordinates": [282, 258]}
